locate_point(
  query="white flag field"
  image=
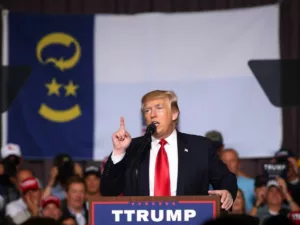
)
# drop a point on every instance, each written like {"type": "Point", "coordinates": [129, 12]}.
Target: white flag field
{"type": "Point", "coordinates": [201, 56]}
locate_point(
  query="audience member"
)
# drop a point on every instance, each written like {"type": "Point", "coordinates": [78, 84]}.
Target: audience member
{"type": "Point", "coordinates": [239, 206]}
{"type": "Point", "coordinates": [41, 221]}
{"type": "Point", "coordinates": [76, 200]}
{"type": "Point", "coordinates": [233, 219]}
{"type": "Point", "coordinates": [63, 168]}
{"type": "Point", "coordinates": [278, 220]}
{"type": "Point", "coordinates": [15, 207]}
{"type": "Point", "coordinates": [31, 193]}
{"type": "Point", "coordinates": [51, 207]}
{"type": "Point", "coordinates": [11, 158]}
{"type": "Point", "coordinates": [231, 159]}
{"type": "Point", "coordinates": [92, 177]}
{"type": "Point", "coordinates": [293, 181]}
{"type": "Point", "coordinates": [68, 220]}
{"type": "Point", "coordinates": [274, 203]}
{"type": "Point", "coordinates": [217, 139]}
{"type": "Point", "coordinates": [260, 190]}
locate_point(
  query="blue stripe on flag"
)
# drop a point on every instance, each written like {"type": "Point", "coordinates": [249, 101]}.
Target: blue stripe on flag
{"type": "Point", "coordinates": [54, 111]}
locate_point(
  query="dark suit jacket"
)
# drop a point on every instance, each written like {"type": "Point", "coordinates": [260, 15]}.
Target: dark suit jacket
{"type": "Point", "coordinates": [197, 168]}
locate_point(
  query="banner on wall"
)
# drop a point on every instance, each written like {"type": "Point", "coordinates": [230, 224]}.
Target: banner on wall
{"type": "Point", "coordinates": [89, 70]}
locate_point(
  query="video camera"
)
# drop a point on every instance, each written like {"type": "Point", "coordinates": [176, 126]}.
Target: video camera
{"type": "Point", "coordinates": [65, 166]}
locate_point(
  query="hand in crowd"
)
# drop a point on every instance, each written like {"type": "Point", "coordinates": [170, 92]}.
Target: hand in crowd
{"type": "Point", "coordinates": [33, 207]}
{"type": "Point", "coordinates": [260, 197]}
{"type": "Point", "coordinates": [293, 164]}
{"type": "Point", "coordinates": [78, 170]}
{"type": "Point", "coordinates": [282, 185]}
{"type": "Point", "coordinates": [53, 175]}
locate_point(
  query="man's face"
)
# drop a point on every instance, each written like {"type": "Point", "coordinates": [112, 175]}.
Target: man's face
{"type": "Point", "coordinates": [76, 195]}
{"type": "Point", "coordinates": [34, 196]}
{"type": "Point", "coordinates": [52, 211]}
{"type": "Point", "coordinates": [230, 158]}
{"type": "Point", "coordinates": [159, 110]}
{"type": "Point", "coordinates": [274, 196]}
{"type": "Point", "coordinates": [92, 183]}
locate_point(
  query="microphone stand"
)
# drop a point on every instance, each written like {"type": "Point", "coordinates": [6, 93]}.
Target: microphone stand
{"type": "Point", "coordinates": [138, 162]}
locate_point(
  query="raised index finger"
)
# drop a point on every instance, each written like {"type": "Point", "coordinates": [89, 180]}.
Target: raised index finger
{"type": "Point", "coordinates": [122, 123]}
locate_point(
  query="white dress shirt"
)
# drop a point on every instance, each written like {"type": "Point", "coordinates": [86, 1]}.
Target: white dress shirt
{"type": "Point", "coordinates": [172, 151]}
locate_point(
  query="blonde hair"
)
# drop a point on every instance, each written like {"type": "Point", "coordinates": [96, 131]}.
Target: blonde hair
{"type": "Point", "coordinates": [159, 94]}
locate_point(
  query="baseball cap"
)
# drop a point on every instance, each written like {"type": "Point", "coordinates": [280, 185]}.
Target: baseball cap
{"type": "Point", "coordinates": [260, 181]}
{"type": "Point", "coordinates": [215, 136]}
{"type": "Point", "coordinates": [284, 152]}
{"type": "Point", "coordinates": [92, 170]}
{"type": "Point", "coordinates": [50, 199]}
{"type": "Point", "coordinates": [30, 184]}
{"type": "Point", "coordinates": [272, 183]}
{"type": "Point", "coordinates": [10, 149]}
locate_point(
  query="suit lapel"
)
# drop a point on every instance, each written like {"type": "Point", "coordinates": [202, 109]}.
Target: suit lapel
{"type": "Point", "coordinates": [144, 172]}
{"type": "Point", "coordinates": [182, 161]}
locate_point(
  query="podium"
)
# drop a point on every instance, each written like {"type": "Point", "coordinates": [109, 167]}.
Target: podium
{"type": "Point", "coordinates": [190, 210]}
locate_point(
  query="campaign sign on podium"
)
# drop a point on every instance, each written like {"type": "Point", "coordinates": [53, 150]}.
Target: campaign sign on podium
{"type": "Point", "coordinates": [189, 210]}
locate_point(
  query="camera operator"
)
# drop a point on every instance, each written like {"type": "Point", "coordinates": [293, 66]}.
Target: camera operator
{"type": "Point", "coordinates": [63, 168]}
{"type": "Point", "coordinates": [292, 179]}
{"type": "Point", "coordinates": [11, 157]}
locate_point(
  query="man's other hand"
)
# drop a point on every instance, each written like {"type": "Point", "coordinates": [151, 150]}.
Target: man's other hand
{"type": "Point", "coordinates": [226, 198]}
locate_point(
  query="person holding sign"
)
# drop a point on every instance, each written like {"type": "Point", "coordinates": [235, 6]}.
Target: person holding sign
{"type": "Point", "coordinates": [165, 162]}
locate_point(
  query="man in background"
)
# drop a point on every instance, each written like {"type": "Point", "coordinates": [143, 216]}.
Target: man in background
{"type": "Point", "coordinates": [11, 157]}
{"type": "Point", "coordinates": [31, 196]}
{"type": "Point", "coordinates": [92, 177]}
{"type": "Point", "coordinates": [231, 159]}
{"type": "Point", "coordinates": [293, 182]}
{"type": "Point", "coordinates": [76, 201]}
{"type": "Point", "coordinates": [217, 140]}
{"type": "Point", "coordinates": [51, 207]}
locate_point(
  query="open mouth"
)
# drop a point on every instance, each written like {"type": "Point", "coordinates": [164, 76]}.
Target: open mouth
{"type": "Point", "coordinates": [155, 123]}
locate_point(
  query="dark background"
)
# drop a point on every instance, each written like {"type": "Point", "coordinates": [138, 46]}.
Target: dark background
{"type": "Point", "coordinates": [289, 45]}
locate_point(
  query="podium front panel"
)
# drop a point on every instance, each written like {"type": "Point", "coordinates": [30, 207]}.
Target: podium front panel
{"type": "Point", "coordinates": [150, 211]}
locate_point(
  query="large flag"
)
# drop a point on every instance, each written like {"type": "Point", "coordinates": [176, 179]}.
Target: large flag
{"type": "Point", "coordinates": [88, 70]}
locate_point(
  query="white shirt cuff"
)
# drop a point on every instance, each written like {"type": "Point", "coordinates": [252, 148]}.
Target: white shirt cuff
{"type": "Point", "coordinates": [117, 158]}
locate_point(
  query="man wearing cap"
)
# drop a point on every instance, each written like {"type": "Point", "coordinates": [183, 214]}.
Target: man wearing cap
{"type": "Point", "coordinates": [217, 139]}
{"type": "Point", "coordinates": [18, 205]}
{"type": "Point", "coordinates": [292, 179]}
{"type": "Point", "coordinates": [31, 195]}
{"type": "Point", "coordinates": [51, 207]}
{"type": "Point", "coordinates": [11, 156]}
{"type": "Point", "coordinates": [274, 205]}
{"type": "Point", "coordinates": [92, 177]}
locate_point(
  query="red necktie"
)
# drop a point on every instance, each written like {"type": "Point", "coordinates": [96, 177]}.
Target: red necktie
{"type": "Point", "coordinates": [162, 176]}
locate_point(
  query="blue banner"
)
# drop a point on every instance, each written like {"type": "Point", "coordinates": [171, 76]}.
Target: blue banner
{"type": "Point", "coordinates": [54, 112]}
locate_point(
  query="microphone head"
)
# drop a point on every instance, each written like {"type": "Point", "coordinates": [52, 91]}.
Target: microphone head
{"type": "Point", "coordinates": [151, 129]}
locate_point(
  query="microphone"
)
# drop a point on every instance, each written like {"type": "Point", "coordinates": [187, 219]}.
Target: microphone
{"type": "Point", "coordinates": [151, 129]}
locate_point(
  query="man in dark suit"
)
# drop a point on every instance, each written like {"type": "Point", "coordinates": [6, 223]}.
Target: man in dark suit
{"type": "Point", "coordinates": [172, 163]}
